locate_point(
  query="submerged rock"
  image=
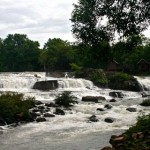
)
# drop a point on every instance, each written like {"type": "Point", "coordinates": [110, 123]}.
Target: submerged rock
{"type": "Point", "coordinates": [93, 98]}
{"type": "Point", "coordinates": [131, 109]}
{"type": "Point", "coordinates": [109, 120]}
{"type": "Point", "coordinates": [100, 109]}
{"type": "Point", "coordinates": [93, 118]}
{"type": "Point", "coordinates": [49, 115]}
{"type": "Point", "coordinates": [40, 119]}
{"type": "Point", "coordinates": [59, 111]}
{"type": "Point", "coordinates": [116, 94]}
{"type": "Point", "coordinates": [108, 106]}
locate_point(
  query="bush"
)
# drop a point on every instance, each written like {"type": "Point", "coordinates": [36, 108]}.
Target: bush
{"type": "Point", "coordinates": [146, 102]}
{"type": "Point", "coordinates": [133, 139]}
{"type": "Point", "coordinates": [14, 107]}
{"type": "Point", "coordinates": [65, 99]}
{"type": "Point", "coordinates": [120, 76]}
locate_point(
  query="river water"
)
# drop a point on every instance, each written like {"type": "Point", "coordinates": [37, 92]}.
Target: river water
{"type": "Point", "coordinates": [72, 131]}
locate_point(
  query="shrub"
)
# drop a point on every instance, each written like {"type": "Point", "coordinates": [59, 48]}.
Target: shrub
{"type": "Point", "coordinates": [120, 76]}
{"type": "Point", "coordinates": [146, 102]}
{"type": "Point", "coordinates": [65, 99]}
{"type": "Point", "coordinates": [14, 107]}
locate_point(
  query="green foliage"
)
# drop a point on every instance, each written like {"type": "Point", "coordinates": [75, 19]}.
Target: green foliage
{"type": "Point", "coordinates": [143, 124]}
{"type": "Point", "coordinates": [65, 99]}
{"type": "Point", "coordinates": [142, 127]}
{"type": "Point", "coordinates": [146, 102]}
{"type": "Point", "coordinates": [119, 77]}
{"type": "Point", "coordinates": [14, 107]}
{"type": "Point", "coordinates": [98, 77]}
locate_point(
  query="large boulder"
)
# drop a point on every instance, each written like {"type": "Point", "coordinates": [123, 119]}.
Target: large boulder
{"type": "Point", "coordinates": [93, 98]}
{"type": "Point", "coordinates": [46, 85]}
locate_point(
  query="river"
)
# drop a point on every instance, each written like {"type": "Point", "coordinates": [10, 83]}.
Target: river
{"type": "Point", "coordinates": [72, 131]}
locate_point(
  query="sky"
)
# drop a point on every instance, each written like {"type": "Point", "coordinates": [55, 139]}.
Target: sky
{"type": "Point", "coordinates": [38, 19]}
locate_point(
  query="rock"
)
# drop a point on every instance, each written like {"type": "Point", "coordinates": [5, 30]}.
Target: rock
{"type": "Point", "coordinates": [93, 118]}
{"type": "Point", "coordinates": [108, 106]}
{"type": "Point", "coordinates": [38, 102]}
{"type": "Point", "coordinates": [117, 141]}
{"type": "Point", "coordinates": [59, 111]}
{"type": "Point", "coordinates": [40, 119]}
{"type": "Point", "coordinates": [92, 98]}
{"type": "Point", "coordinates": [35, 110]}
{"type": "Point", "coordinates": [51, 104]}
{"type": "Point", "coordinates": [100, 109]}
{"type": "Point", "coordinates": [107, 148]}
{"type": "Point", "coordinates": [41, 107]}
{"type": "Point", "coordinates": [109, 120]}
{"type": "Point", "coordinates": [48, 115]}
{"type": "Point", "coordinates": [46, 85]}
{"type": "Point", "coordinates": [35, 114]}
{"type": "Point", "coordinates": [2, 122]}
{"type": "Point", "coordinates": [116, 94]}
{"type": "Point", "coordinates": [131, 109]}
{"type": "Point", "coordinates": [112, 100]}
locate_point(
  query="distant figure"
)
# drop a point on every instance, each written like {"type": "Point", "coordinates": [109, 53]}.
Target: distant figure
{"type": "Point", "coordinates": [66, 75]}
{"type": "Point", "coordinates": [36, 76]}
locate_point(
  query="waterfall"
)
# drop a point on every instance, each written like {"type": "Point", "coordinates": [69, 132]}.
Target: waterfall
{"type": "Point", "coordinates": [17, 80]}
{"type": "Point", "coordinates": [144, 84]}
{"type": "Point", "coordinates": [74, 83]}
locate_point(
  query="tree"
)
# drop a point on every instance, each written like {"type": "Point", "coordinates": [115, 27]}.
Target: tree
{"type": "Point", "coordinates": [20, 53]}
{"type": "Point", "coordinates": [127, 17]}
{"type": "Point", "coordinates": [55, 54]}
{"type": "Point", "coordinates": [85, 19]}
{"type": "Point", "coordinates": [95, 20]}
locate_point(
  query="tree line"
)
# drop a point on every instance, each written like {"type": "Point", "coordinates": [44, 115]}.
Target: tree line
{"type": "Point", "coordinates": [19, 53]}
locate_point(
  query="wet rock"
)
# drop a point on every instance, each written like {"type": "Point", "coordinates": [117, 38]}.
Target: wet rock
{"type": "Point", "coordinates": [116, 94]}
{"type": "Point", "coordinates": [51, 104]}
{"type": "Point", "coordinates": [35, 110]}
{"type": "Point", "coordinates": [93, 118]}
{"type": "Point", "coordinates": [131, 109]}
{"type": "Point", "coordinates": [35, 114]}
{"type": "Point", "coordinates": [108, 106]}
{"type": "Point", "coordinates": [49, 115]}
{"type": "Point", "coordinates": [112, 100]}
{"type": "Point", "coordinates": [40, 119]}
{"type": "Point", "coordinates": [100, 109]}
{"type": "Point", "coordinates": [93, 98]}
{"type": "Point", "coordinates": [2, 122]}
{"type": "Point", "coordinates": [38, 102]}
{"type": "Point", "coordinates": [107, 148]}
{"type": "Point", "coordinates": [41, 107]}
{"type": "Point", "coordinates": [109, 120]}
{"type": "Point", "coordinates": [59, 111]}
{"type": "Point", "coordinates": [46, 85]}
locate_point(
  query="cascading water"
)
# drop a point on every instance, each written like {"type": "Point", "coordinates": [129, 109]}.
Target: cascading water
{"type": "Point", "coordinates": [75, 124]}
{"type": "Point", "coordinates": [144, 83]}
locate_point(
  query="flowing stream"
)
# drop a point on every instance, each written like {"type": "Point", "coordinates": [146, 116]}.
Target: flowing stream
{"type": "Point", "coordinates": [72, 131]}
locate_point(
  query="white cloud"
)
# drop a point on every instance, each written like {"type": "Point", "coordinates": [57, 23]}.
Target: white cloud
{"type": "Point", "coordinates": [39, 19]}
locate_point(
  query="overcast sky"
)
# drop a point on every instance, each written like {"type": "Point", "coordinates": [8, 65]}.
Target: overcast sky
{"type": "Point", "coordinates": [39, 19]}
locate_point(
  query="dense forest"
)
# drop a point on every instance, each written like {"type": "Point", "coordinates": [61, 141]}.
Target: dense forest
{"type": "Point", "coordinates": [95, 24]}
